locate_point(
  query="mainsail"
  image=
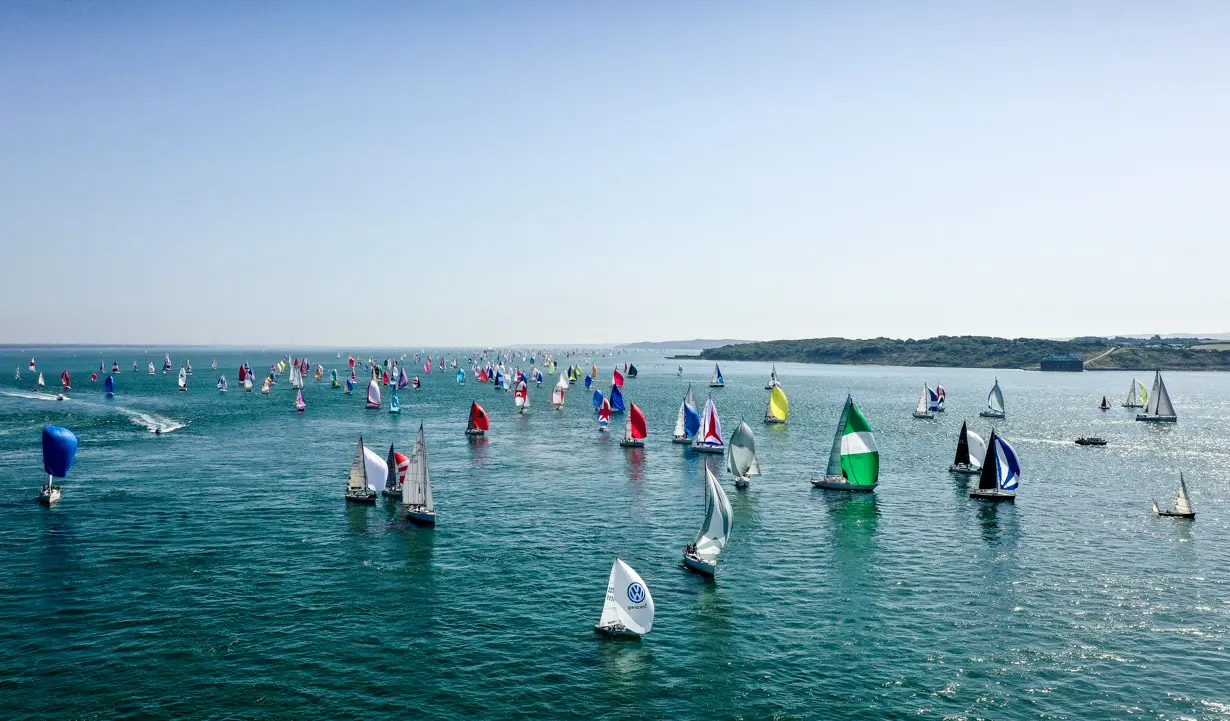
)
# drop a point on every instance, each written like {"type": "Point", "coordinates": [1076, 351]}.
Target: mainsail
{"type": "Point", "coordinates": [1159, 405]}
{"type": "Point", "coordinates": [416, 491]}
{"type": "Point", "coordinates": [719, 519]}
{"type": "Point", "coordinates": [995, 399]}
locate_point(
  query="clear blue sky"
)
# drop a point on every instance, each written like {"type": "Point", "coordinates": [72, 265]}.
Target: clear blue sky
{"type": "Point", "coordinates": [567, 172]}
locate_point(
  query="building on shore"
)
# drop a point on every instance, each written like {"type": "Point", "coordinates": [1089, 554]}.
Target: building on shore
{"type": "Point", "coordinates": [1063, 363]}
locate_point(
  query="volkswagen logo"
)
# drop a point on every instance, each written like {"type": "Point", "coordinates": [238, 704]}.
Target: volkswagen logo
{"type": "Point", "coordinates": [636, 592]}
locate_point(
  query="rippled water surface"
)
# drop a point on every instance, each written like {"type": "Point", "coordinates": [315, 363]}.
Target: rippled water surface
{"type": "Point", "coordinates": [214, 571]}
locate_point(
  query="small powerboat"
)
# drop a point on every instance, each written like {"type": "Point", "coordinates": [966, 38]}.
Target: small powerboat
{"type": "Point", "coordinates": [1090, 441]}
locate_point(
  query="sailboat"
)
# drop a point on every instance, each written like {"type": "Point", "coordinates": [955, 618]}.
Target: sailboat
{"type": "Point", "coordinates": [333, 381]}
{"type": "Point", "coordinates": [632, 371]}
{"type": "Point", "coordinates": [373, 395]}
{"type": "Point", "coordinates": [416, 491]}
{"type": "Point", "coordinates": [392, 486]}
{"type": "Point", "coordinates": [59, 450]}
{"type": "Point", "coordinates": [1182, 504]}
{"type": "Point", "coordinates": [349, 385]}
{"type": "Point", "coordinates": [415, 383]}
{"type": "Point", "coordinates": [40, 383]}
{"type": "Point", "coordinates": [634, 429]}
{"type": "Point", "coordinates": [558, 392]}
{"type": "Point", "coordinates": [1000, 472]}
{"type": "Point", "coordinates": [222, 384]}
{"type": "Point", "coordinates": [115, 367]}
{"type": "Point", "coordinates": [478, 423]}
{"type": "Point", "coordinates": [709, 438]}
{"type": "Point", "coordinates": [109, 386]}
{"type": "Point", "coordinates": [300, 404]}
{"type": "Point", "coordinates": [18, 377]}
{"type": "Point", "coordinates": [687, 423]}
{"type": "Point", "coordinates": [247, 384]}
{"type": "Point", "coordinates": [679, 373]}
{"type": "Point", "coordinates": [32, 366]}
{"type": "Point", "coordinates": [183, 379]}
{"type": "Point", "coordinates": [152, 370]}
{"type": "Point", "coordinates": [1137, 396]}
{"type": "Point", "coordinates": [628, 610]}
{"type": "Point", "coordinates": [363, 468]}
{"type": "Point", "coordinates": [188, 368]}
{"type": "Point", "coordinates": [995, 403]}
{"type": "Point", "coordinates": [741, 461]}
{"type": "Point", "coordinates": [778, 406]}
{"type": "Point", "coordinates": [970, 451]}
{"type": "Point", "coordinates": [702, 554]}
{"type": "Point", "coordinates": [320, 372]}
{"type": "Point", "coordinates": [65, 381]}
{"type": "Point", "coordinates": [1159, 409]}
{"type": "Point", "coordinates": [1105, 404]}
{"type": "Point", "coordinates": [461, 376]}
{"type": "Point", "coordinates": [772, 378]}
{"type": "Point", "coordinates": [617, 378]}
{"type": "Point", "coordinates": [394, 404]}
{"type": "Point", "coordinates": [521, 396]}
{"type": "Point", "coordinates": [923, 410]}
{"type": "Point", "coordinates": [854, 461]}
{"type": "Point", "coordinates": [717, 381]}
{"type": "Point", "coordinates": [214, 364]}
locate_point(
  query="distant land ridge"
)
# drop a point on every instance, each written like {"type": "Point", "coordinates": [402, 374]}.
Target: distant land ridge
{"type": "Point", "coordinates": [694, 344]}
{"type": "Point", "coordinates": [1118, 353]}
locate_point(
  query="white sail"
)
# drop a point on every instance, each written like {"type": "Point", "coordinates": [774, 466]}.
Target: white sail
{"type": "Point", "coordinates": [376, 469]}
{"type": "Point", "coordinates": [357, 480]}
{"type": "Point", "coordinates": [922, 402]}
{"type": "Point", "coordinates": [742, 457]}
{"type": "Point", "coordinates": [416, 491]}
{"type": "Point", "coordinates": [373, 392]}
{"type": "Point", "coordinates": [1182, 504]}
{"type": "Point", "coordinates": [41, 382]}
{"type": "Point", "coordinates": [628, 600]}
{"type": "Point", "coordinates": [680, 427]}
{"type": "Point", "coordinates": [977, 448]}
{"type": "Point", "coordinates": [995, 399]}
{"type": "Point", "coordinates": [183, 377]}
{"type": "Point", "coordinates": [719, 519]}
{"type": "Point", "coordinates": [1159, 403]}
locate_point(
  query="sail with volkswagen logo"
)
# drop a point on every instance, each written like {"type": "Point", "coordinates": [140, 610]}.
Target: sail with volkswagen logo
{"type": "Point", "coordinates": [628, 610]}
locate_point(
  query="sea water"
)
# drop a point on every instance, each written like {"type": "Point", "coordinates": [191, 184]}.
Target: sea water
{"type": "Point", "coordinates": [215, 571]}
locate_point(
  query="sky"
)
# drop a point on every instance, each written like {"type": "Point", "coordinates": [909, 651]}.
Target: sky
{"type": "Point", "coordinates": [553, 173]}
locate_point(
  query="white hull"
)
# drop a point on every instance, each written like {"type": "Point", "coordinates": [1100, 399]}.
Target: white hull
{"type": "Point", "coordinates": [616, 629]}
{"type": "Point", "coordinates": [681, 439]}
{"type": "Point", "coordinates": [1157, 419]}
{"type": "Point", "coordinates": [742, 482]}
{"type": "Point", "coordinates": [924, 416]}
{"type": "Point", "coordinates": [964, 468]}
{"type": "Point", "coordinates": [698, 564]}
{"type": "Point", "coordinates": [709, 449]}
{"type": "Point", "coordinates": [418, 514]}
{"type": "Point", "coordinates": [991, 414]}
{"type": "Point", "coordinates": [49, 495]}
{"type": "Point", "coordinates": [361, 497]}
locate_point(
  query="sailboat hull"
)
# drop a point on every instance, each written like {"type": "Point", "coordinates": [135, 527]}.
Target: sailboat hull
{"type": "Point", "coordinates": [1132, 405]}
{"type": "Point", "coordinates": [632, 444]}
{"type": "Point", "coordinates": [924, 416]}
{"type": "Point", "coordinates": [394, 493]}
{"type": "Point", "coordinates": [681, 439]}
{"type": "Point", "coordinates": [717, 385]}
{"type": "Point", "coordinates": [700, 565]}
{"type": "Point", "coordinates": [742, 482]}
{"type": "Point", "coordinates": [991, 414]}
{"type": "Point", "coordinates": [774, 421]}
{"type": "Point", "coordinates": [1175, 514]}
{"type": "Point", "coordinates": [361, 497]}
{"type": "Point", "coordinates": [474, 432]}
{"type": "Point", "coordinates": [372, 407]}
{"type": "Point", "coordinates": [616, 630]}
{"type": "Point", "coordinates": [420, 515]}
{"type": "Point", "coordinates": [997, 496]}
{"type": "Point", "coordinates": [49, 495]}
{"type": "Point", "coordinates": [837, 483]}
{"type": "Point", "coordinates": [705, 448]}
{"type": "Point", "coordinates": [1156, 419]}
{"type": "Point", "coordinates": [965, 469]}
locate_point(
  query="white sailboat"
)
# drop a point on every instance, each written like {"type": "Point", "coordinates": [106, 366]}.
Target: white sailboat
{"type": "Point", "coordinates": [416, 491]}
{"type": "Point", "coordinates": [970, 451]}
{"type": "Point", "coordinates": [1159, 408]}
{"type": "Point", "coordinates": [995, 403]}
{"type": "Point", "coordinates": [266, 386]}
{"type": "Point", "coordinates": [557, 393]}
{"type": "Point", "coordinates": [741, 461]}
{"type": "Point", "coordinates": [702, 554]}
{"type": "Point", "coordinates": [1137, 396]}
{"type": "Point", "coordinates": [709, 437]}
{"type": "Point", "coordinates": [247, 383]}
{"type": "Point", "coordinates": [628, 610]}
{"type": "Point", "coordinates": [1182, 504]}
{"type": "Point", "coordinates": [152, 370]}
{"type": "Point", "coordinates": [364, 467]}
{"type": "Point", "coordinates": [183, 379]}
{"type": "Point", "coordinates": [40, 384]}
{"type": "Point", "coordinates": [688, 420]}
{"type": "Point", "coordinates": [923, 410]}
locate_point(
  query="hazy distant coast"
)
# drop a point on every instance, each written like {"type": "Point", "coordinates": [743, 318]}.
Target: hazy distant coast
{"type": "Point", "coordinates": [984, 352]}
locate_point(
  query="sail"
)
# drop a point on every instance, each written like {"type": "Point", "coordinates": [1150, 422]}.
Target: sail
{"type": "Point", "coordinates": [773, 376]}
{"type": "Point", "coordinates": [921, 409]}
{"type": "Point", "coordinates": [719, 519]}
{"type": "Point", "coordinates": [461, 376]}
{"type": "Point", "coordinates": [934, 403]}
{"type": "Point", "coordinates": [778, 405]}
{"type": "Point", "coordinates": [416, 491]}
{"type": "Point", "coordinates": [41, 383]}
{"type": "Point", "coordinates": [617, 378]}
{"type": "Point", "coordinates": [628, 601]}
{"type": "Point", "coordinates": [710, 426]}
{"type": "Point", "coordinates": [598, 399]}
{"type": "Point", "coordinates": [300, 404]}
{"type": "Point", "coordinates": [691, 421]}
{"type": "Point", "coordinates": [390, 477]}
{"type": "Point", "coordinates": [995, 399]}
{"type": "Point", "coordinates": [373, 393]}
{"type": "Point", "coordinates": [266, 385]}
{"type": "Point", "coordinates": [357, 480]}
{"type": "Point", "coordinates": [520, 394]}
{"type": "Point", "coordinates": [636, 429]}
{"type": "Point", "coordinates": [717, 375]}
{"type": "Point", "coordinates": [860, 457]}
{"type": "Point", "coordinates": [1159, 403]}
{"type": "Point", "coordinates": [1182, 504]}
{"type": "Point", "coordinates": [183, 377]}
{"type": "Point", "coordinates": [59, 450]}
{"type": "Point", "coordinates": [681, 428]}
{"type": "Point", "coordinates": [394, 403]}
{"type": "Point", "coordinates": [742, 458]}
{"type": "Point", "coordinates": [977, 449]}
{"type": "Point", "coordinates": [1007, 467]}
{"type": "Point", "coordinates": [962, 457]}
{"type": "Point", "coordinates": [109, 384]}
{"type": "Point", "coordinates": [375, 469]}
{"type": "Point", "coordinates": [617, 399]}
{"type": "Point", "coordinates": [478, 418]}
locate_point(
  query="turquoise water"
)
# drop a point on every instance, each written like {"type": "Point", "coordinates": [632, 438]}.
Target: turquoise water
{"type": "Point", "coordinates": [214, 571]}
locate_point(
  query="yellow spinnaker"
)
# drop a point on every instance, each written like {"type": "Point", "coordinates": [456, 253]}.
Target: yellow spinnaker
{"type": "Point", "coordinates": [778, 405]}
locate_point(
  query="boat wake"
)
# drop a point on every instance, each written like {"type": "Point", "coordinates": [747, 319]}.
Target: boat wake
{"type": "Point", "coordinates": [32, 395]}
{"type": "Point", "coordinates": [152, 422]}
